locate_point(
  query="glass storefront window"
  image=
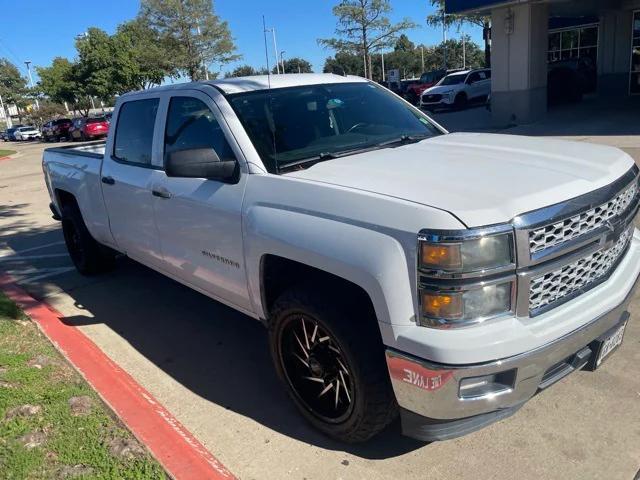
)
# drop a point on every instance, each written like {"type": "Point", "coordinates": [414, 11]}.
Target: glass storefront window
{"type": "Point", "coordinates": [589, 37]}
{"type": "Point", "coordinates": [570, 39]}
{"type": "Point", "coordinates": [634, 75]}
{"type": "Point", "coordinates": [578, 42]}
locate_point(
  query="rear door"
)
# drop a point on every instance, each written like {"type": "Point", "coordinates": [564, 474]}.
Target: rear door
{"type": "Point", "coordinates": [127, 176]}
{"type": "Point", "coordinates": [199, 220]}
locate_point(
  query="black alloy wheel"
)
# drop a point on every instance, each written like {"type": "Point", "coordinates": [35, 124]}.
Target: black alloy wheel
{"type": "Point", "coordinates": [316, 369]}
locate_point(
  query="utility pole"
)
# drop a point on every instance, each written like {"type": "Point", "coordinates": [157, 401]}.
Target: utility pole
{"type": "Point", "coordinates": [382, 55]}
{"type": "Point", "coordinates": [282, 60]}
{"type": "Point", "coordinates": [364, 55]}
{"type": "Point", "coordinates": [28, 64]}
{"type": "Point", "coordinates": [422, 53]}
{"type": "Point", "coordinates": [7, 117]}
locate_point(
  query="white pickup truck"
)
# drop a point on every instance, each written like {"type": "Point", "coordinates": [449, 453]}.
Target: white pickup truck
{"type": "Point", "coordinates": [399, 269]}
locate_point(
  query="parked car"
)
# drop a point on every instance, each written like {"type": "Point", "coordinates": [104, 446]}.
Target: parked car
{"type": "Point", "coordinates": [84, 128]}
{"type": "Point", "coordinates": [569, 80]}
{"type": "Point", "coordinates": [4, 136]}
{"type": "Point", "coordinates": [27, 133]}
{"type": "Point", "coordinates": [10, 133]}
{"type": "Point", "coordinates": [458, 89]}
{"type": "Point", "coordinates": [56, 129]}
{"type": "Point", "coordinates": [447, 278]}
{"type": "Point", "coordinates": [426, 80]}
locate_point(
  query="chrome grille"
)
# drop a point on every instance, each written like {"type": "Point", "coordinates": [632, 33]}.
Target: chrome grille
{"type": "Point", "coordinates": [583, 223]}
{"type": "Point", "coordinates": [554, 286]}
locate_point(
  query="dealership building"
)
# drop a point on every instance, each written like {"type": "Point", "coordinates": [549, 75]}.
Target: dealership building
{"type": "Point", "coordinates": [528, 35]}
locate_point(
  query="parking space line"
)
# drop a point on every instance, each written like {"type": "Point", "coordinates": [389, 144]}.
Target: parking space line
{"type": "Point", "coordinates": [177, 450]}
{"type": "Point", "coordinates": [16, 257]}
{"type": "Point", "coordinates": [9, 251]}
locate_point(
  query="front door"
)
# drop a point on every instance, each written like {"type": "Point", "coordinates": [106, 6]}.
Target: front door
{"type": "Point", "coordinates": [127, 177]}
{"type": "Point", "coordinates": [199, 220]}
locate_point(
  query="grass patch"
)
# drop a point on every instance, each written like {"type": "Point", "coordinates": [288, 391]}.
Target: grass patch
{"type": "Point", "coordinates": [6, 153]}
{"type": "Point", "coordinates": [55, 442]}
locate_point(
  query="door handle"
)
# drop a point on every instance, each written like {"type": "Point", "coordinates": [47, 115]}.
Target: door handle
{"type": "Point", "coordinates": [108, 180]}
{"type": "Point", "coordinates": [161, 193]}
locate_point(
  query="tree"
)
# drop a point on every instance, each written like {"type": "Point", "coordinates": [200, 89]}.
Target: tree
{"type": "Point", "coordinates": [296, 65]}
{"type": "Point", "coordinates": [344, 63]}
{"type": "Point", "coordinates": [364, 28]}
{"type": "Point", "coordinates": [57, 82]}
{"type": "Point", "coordinates": [192, 32]}
{"type": "Point", "coordinates": [13, 86]}
{"type": "Point", "coordinates": [439, 17]}
{"type": "Point", "coordinates": [95, 71]}
{"type": "Point", "coordinates": [45, 112]}
{"type": "Point", "coordinates": [246, 71]}
{"type": "Point", "coordinates": [142, 59]}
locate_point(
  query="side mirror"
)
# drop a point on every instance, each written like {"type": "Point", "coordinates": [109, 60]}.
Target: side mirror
{"type": "Point", "coordinates": [200, 163]}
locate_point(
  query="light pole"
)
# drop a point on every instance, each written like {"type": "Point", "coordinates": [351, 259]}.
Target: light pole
{"type": "Point", "coordinates": [444, 38]}
{"type": "Point", "coordinates": [282, 60]}
{"type": "Point", "coordinates": [28, 64]}
{"type": "Point", "coordinates": [275, 47]}
{"type": "Point", "coordinates": [204, 65]}
{"type": "Point", "coordinates": [382, 55]}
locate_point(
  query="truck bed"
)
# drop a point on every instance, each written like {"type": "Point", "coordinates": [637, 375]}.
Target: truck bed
{"type": "Point", "coordinates": [90, 149]}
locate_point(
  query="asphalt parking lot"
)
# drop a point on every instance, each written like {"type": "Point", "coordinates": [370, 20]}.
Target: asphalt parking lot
{"type": "Point", "coordinates": [210, 367]}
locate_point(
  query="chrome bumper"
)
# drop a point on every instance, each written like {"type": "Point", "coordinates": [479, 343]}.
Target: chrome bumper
{"type": "Point", "coordinates": [432, 390]}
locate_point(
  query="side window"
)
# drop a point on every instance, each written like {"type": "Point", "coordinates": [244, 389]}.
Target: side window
{"type": "Point", "coordinates": [134, 131]}
{"type": "Point", "coordinates": [473, 78]}
{"type": "Point", "coordinates": [487, 73]}
{"type": "Point", "coordinates": [191, 124]}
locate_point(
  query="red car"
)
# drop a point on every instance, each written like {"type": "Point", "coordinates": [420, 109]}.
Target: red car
{"type": "Point", "coordinates": [56, 129]}
{"type": "Point", "coordinates": [84, 128]}
{"type": "Point", "coordinates": [427, 80]}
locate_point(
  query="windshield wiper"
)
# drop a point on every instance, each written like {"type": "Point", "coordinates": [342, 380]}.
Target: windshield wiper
{"type": "Point", "coordinates": [403, 140]}
{"type": "Point", "coordinates": [323, 156]}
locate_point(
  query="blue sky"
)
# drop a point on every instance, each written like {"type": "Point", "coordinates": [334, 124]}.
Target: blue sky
{"type": "Point", "coordinates": [38, 32]}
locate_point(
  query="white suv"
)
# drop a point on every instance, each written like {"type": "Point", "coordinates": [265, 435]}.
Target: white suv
{"type": "Point", "coordinates": [457, 89]}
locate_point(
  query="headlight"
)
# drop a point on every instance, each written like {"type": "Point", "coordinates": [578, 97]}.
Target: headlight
{"type": "Point", "coordinates": [452, 268]}
{"type": "Point", "coordinates": [466, 256]}
{"type": "Point", "coordinates": [450, 309]}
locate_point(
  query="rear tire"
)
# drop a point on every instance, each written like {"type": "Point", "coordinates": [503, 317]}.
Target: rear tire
{"type": "Point", "coordinates": [354, 371]}
{"type": "Point", "coordinates": [88, 256]}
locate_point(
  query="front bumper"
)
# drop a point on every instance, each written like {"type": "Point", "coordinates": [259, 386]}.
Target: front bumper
{"type": "Point", "coordinates": [429, 393]}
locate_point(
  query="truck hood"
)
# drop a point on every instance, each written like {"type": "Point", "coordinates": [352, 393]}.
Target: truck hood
{"type": "Point", "coordinates": [482, 179]}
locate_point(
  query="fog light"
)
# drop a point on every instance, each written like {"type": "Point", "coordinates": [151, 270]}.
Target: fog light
{"type": "Point", "coordinates": [487, 385]}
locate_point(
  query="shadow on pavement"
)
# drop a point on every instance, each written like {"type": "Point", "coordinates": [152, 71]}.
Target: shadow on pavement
{"type": "Point", "coordinates": [214, 351]}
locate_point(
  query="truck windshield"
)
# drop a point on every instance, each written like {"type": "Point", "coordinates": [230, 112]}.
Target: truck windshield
{"type": "Point", "coordinates": [289, 125]}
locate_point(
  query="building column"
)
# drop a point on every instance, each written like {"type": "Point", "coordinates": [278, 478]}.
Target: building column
{"type": "Point", "coordinates": [520, 40]}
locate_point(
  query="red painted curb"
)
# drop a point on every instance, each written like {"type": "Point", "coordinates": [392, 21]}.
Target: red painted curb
{"type": "Point", "coordinates": [177, 450]}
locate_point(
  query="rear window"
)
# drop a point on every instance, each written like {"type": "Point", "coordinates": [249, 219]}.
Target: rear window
{"type": "Point", "coordinates": [134, 131]}
{"type": "Point", "coordinates": [62, 121]}
{"type": "Point", "coordinates": [96, 120]}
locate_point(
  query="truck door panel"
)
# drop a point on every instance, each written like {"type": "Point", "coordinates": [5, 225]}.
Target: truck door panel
{"type": "Point", "coordinates": [199, 220]}
{"type": "Point", "coordinates": [127, 178]}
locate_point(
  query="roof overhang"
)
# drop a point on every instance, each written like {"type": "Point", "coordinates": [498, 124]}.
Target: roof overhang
{"type": "Point", "coordinates": [477, 6]}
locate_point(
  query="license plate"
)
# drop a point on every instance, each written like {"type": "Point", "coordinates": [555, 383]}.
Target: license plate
{"type": "Point", "coordinates": [611, 343]}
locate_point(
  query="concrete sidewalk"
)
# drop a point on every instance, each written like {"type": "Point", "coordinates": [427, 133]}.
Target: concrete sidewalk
{"type": "Point", "coordinates": [209, 366]}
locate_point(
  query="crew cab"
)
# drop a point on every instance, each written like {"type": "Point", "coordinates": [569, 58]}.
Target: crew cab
{"type": "Point", "coordinates": [399, 269]}
{"type": "Point", "coordinates": [458, 89]}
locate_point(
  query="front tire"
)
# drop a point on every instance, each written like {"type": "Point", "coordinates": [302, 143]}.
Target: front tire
{"type": "Point", "coordinates": [88, 256]}
{"type": "Point", "coordinates": [332, 362]}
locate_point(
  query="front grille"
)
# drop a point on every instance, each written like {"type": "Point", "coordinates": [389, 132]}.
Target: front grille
{"type": "Point", "coordinates": [554, 286]}
{"type": "Point", "coordinates": [431, 98]}
{"type": "Point", "coordinates": [558, 233]}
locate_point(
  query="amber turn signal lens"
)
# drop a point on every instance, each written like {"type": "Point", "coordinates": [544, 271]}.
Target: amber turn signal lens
{"type": "Point", "coordinates": [440, 256]}
{"type": "Point", "coordinates": [439, 305]}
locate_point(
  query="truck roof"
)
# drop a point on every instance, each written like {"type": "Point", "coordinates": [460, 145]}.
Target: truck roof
{"type": "Point", "coordinates": [263, 82]}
